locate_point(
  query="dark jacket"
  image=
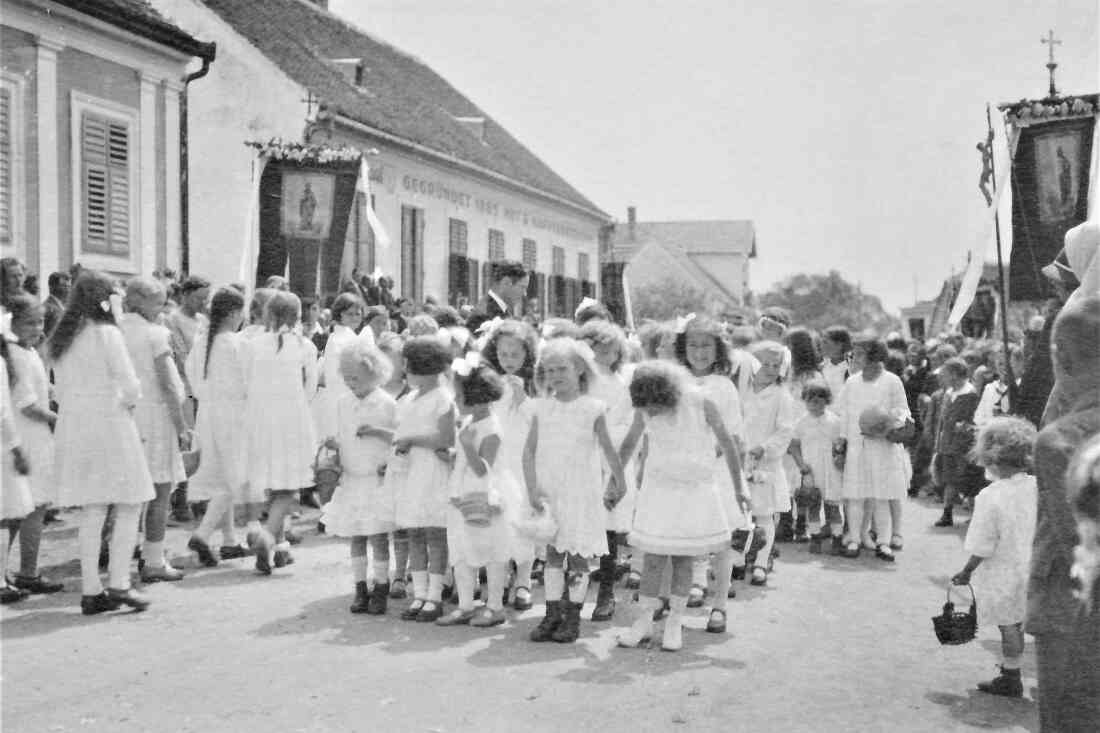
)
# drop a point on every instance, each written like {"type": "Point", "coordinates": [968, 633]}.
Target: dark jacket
{"type": "Point", "coordinates": [956, 424]}
{"type": "Point", "coordinates": [487, 310]}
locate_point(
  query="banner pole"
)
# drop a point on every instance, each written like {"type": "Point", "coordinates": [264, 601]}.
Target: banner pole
{"type": "Point", "coordinates": [1009, 377]}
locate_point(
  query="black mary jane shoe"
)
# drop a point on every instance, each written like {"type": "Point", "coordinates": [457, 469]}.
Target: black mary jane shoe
{"type": "Point", "coordinates": [234, 552]}
{"type": "Point", "coordinates": [128, 597]}
{"type": "Point", "coordinates": [716, 623]}
{"type": "Point", "coordinates": [99, 603]}
{"type": "Point", "coordinates": [200, 548]}
{"type": "Point", "coordinates": [37, 584]}
{"type": "Point", "coordinates": [8, 594]}
{"type": "Point", "coordinates": [410, 613]}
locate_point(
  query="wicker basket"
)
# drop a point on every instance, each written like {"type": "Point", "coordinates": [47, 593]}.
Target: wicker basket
{"type": "Point", "coordinates": [955, 627]}
{"type": "Point", "coordinates": [326, 470]}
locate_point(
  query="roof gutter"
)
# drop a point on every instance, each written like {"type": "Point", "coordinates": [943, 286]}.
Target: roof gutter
{"type": "Point", "coordinates": [459, 163]}
{"type": "Point", "coordinates": [185, 158]}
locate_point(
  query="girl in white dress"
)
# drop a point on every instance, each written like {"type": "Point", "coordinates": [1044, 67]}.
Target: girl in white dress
{"type": "Point", "coordinates": [99, 457]}
{"type": "Point", "coordinates": [347, 318]}
{"type": "Point", "coordinates": [485, 498]}
{"type": "Point", "coordinates": [159, 414]}
{"type": "Point", "coordinates": [15, 492]}
{"type": "Point", "coordinates": [609, 348]}
{"type": "Point", "coordinates": [681, 508]}
{"type": "Point", "coordinates": [561, 466]}
{"type": "Point", "coordinates": [511, 351]}
{"type": "Point", "coordinates": [280, 373]}
{"type": "Point", "coordinates": [812, 451]}
{"type": "Point", "coordinates": [362, 507]}
{"type": "Point", "coordinates": [803, 371]}
{"type": "Point", "coordinates": [876, 467]}
{"type": "Point", "coordinates": [215, 370]}
{"type": "Point", "coordinates": [701, 349]}
{"type": "Point", "coordinates": [392, 344]}
{"type": "Point", "coordinates": [769, 426]}
{"type": "Point", "coordinates": [999, 541]}
{"type": "Point", "coordinates": [419, 470]}
{"type": "Point", "coordinates": [34, 420]}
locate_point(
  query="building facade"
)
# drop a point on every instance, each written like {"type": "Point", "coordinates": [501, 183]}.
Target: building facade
{"type": "Point", "coordinates": [451, 189]}
{"type": "Point", "coordinates": [90, 143]}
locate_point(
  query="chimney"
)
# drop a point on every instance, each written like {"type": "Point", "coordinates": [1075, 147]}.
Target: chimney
{"type": "Point", "coordinates": [631, 220]}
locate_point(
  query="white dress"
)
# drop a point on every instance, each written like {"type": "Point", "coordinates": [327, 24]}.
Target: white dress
{"type": "Point", "coordinates": [680, 508]}
{"type": "Point", "coordinates": [419, 479]}
{"type": "Point", "coordinates": [279, 438]}
{"type": "Point", "coordinates": [569, 471]}
{"type": "Point", "coordinates": [874, 468]}
{"type": "Point", "coordinates": [33, 388]}
{"type": "Point", "coordinates": [146, 342]}
{"type": "Point", "coordinates": [720, 390]}
{"type": "Point", "coordinates": [469, 544]}
{"type": "Point", "coordinates": [515, 423]}
{"type": "Point", "coordinates": [15, 493]}
{"type": "Point", "coordinates": [614, 391]}
{"type": "Point", "coordinates": [362, 504]}
{"type": "Point", "coordinates": [795, 386]}
{"type": "Point", "coordinates": [334, 389]}
{"type": "Point", "coordinates": [219, 387]}
{"type": "Point", "coordinates": [816, 435]}
{"type": "Point", "coordinates": [1002, 530]}
{"type": "Point", "coordinates": [769, 423]}
{"type": "Point", "coordinates": [99, 456]}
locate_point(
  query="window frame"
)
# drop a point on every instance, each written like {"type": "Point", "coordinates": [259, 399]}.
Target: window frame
{"type": "Point", "coordinates": [16, 86]}
{"type": "Point", "coordinates": [493, 241]}
{"type": "Point", "coordinates": [82, 103]}
{"type": "Point", "coordinates": [530, 247]}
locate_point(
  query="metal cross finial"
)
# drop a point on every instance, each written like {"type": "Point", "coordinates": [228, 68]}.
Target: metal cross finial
{"type": "Point", "coordinates": [1051, 41]}
{"type": "Point", "coordinates": [311, 100]}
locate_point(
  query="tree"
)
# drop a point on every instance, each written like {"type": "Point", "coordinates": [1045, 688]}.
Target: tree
{"type": "Point", "coordinates": [820, 301]}
{"type": "Point", "coordinates": [666, 299]}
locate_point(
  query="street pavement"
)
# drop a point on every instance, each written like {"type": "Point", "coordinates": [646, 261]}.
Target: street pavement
{"type": "Point", "coordinates": [829, 645]}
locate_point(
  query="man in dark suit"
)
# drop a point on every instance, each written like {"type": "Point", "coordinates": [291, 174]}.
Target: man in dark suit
{"type": "Point", "coordinates": [509, 287]}
{"type": "Point", "coordinates": [1067, 636]}
{"type": "Point", "coordinates": [59, 284]}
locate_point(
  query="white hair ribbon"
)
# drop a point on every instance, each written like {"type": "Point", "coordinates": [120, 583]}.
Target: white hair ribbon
{"type": "Point", "coordinates": [465, 365]}
{"type": "Point", "coordinates": [586, 302]}
{"type": "Point", "coordinates": [683, 321]}
{"type": "Point", "coordinates": [487, 327]}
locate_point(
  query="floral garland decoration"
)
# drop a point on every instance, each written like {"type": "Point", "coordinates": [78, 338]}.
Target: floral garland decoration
{"type": "Point", "coordinates": [278, 149]}
{"type": "Point", "coordinates": [1026, 110]}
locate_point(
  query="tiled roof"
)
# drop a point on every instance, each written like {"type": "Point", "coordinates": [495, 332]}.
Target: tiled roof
{"type": "Point", "coordinates": [690, 237]}
{"type": "Point", "coordinates": [140, 18]}
{"type": "Point", "coordinates": [399, 94]}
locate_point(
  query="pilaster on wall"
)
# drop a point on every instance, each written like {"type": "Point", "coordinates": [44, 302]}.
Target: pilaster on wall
{"type": "Point", "coordinates": [49, 205]}
{"type": "Point", "coordinates": [172, 91]}
{"type": "Point", "coordinates": [147, 215]}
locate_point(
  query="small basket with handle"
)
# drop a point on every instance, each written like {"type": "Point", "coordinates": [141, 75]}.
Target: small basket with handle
{"type": "Point", "coordinates": [956, 627]}
{"type": "Point", "coordinates": [326, 471]}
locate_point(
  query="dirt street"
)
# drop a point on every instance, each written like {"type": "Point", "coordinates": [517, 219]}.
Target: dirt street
{"type": "Point", "coordinates": [829, 645]}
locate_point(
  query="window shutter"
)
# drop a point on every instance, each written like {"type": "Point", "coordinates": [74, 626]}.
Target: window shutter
{"type": "Point", "coordinates": [472, 271]}
{"type": "Point", "coordinates": [105, 150]}
{"type": "Point", "coordinates": [5, 167]}
{"type": "Point", "coordinates": [486, 277]}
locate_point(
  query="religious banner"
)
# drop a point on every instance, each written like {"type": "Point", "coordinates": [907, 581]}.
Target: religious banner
{"type": "Point", "coordinates": [307, 204]}
{"type": "Point", "coordinates": [1050, 173]}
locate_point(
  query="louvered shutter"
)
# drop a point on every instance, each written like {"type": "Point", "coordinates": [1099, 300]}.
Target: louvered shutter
{"type": "Point", "coordinates": [5, 168]}
{"type": "Point", "coordinates": [105, 151]}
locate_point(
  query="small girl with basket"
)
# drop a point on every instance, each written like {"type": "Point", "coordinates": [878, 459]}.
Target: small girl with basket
{"type": "Point", "coordinates": [999, 541]}
{"type": "Point", "coordinates": [812, 451]}
{"type": "Point", "coordinates": [484, 496]}
{"type": "Point", "coordinates": [361, 507]}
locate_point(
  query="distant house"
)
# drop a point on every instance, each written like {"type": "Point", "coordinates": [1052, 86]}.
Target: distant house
{"type": "Point", "coordinates": [452, 189]}
{"type": "Point", "coordinates": [90, 96]}
{"type": "Point", "coordinates": [709, 256]}
{"type": "Point", "coordinates": [928, 318]}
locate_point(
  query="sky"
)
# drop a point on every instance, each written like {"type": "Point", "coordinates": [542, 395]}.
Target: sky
{"type": "Point", "coordinates": [845, 129]}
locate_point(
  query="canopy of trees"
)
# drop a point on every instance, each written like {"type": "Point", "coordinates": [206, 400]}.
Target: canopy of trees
{"type": "Point", "coordinates": [820, 301]}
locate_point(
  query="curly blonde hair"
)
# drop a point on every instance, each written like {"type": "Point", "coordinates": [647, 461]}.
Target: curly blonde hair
{"type": "Point", "coordinates": [1006, 444]}
{"type": "Point", "coordinates": [369, 359]}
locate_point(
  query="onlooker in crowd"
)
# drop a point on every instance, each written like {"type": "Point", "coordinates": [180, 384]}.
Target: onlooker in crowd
{"type": "Point", "coordinates": [509, 287]}
{"type": "Point", "coordinates": [59, 284]}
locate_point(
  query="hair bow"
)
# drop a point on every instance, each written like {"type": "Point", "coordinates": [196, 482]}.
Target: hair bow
{"type": "Point", "coordinates": [113, 304]}
{"type": "Point", "coordinates": [586, 302]}
{"type": "Point", "coordinates": [487, 327]}
{"type": "Point", "coordinates": [586, 351]}
{"type": "Point", "coordinates": [464, 366]}
{"type": "Point", "coordinates": [683, 321]}
{"type": "Point", "coordinates": [547, 330]}
{"type": "Point", "coordinates": [459, 335]}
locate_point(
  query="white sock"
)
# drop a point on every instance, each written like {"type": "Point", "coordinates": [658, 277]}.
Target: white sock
{"type": "Point", "coordinates": [578, 589]}
{"type": "Point", "coordinates": [464, 576]}
{"type": "Point", "coordinates": [435, 587]}
{"type": "Point", "coordinates": [420, 584]}
{"type": "Point", "coordinates": [554, 582]}
{"type": "Point", "coordinates": [359, 567]}
{"type": "Point", "coordinates": [496, 572]}
{"type": "Point", "coordinates": [153, 554]}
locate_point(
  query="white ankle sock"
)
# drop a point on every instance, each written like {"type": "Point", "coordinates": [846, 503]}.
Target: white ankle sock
{"type": "Point", "coordinates": [153, 554]}
{"type": "Point", "coordinates": [435, 587]}
{"type": "Point", "coordinates": [554, 580]}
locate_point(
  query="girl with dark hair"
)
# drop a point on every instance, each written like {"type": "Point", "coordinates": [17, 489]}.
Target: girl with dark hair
{"type": "Point", "coordinates": [34, 421]}
{"type": "Point", "coordinates": [347, 319]}
{"type": "Point", "coordinates": [280, 374]}
{"type": "Point", "coordinates": [13, 275]}
{"type": "Point", "coordinates": [97, 384]}
{"type": "Point", "coordinates": [215, 369]}
{"type": "Point", "coordinates": [873, 413]}
{"type": "Point", "coordinates": [510, 351]}
{"type": "Point", "coordinates": [803, 371]}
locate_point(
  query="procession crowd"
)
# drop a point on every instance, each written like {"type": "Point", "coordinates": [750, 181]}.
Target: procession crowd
{"type": "Point", "coordinates": [467, 453]}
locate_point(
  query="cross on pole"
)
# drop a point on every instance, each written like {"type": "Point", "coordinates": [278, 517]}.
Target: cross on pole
{"type": "Point", "coordinates": [1051, 41]}
{"type": "Point", "coordinates": [311, 100]}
